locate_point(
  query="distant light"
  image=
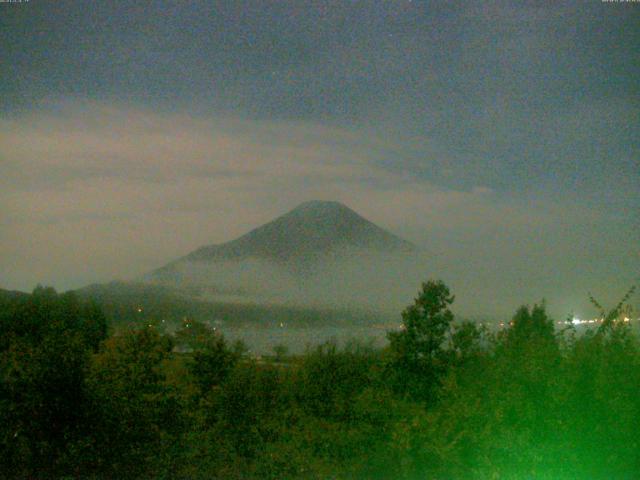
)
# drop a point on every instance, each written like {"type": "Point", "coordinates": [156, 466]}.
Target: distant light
{"type": "Point", "coordinates": [139, 310]}
{"type": "Point", "coordinates": [576, 321]}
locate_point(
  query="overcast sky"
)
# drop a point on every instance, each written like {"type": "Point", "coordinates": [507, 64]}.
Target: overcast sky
{"type": "Point", "coordinates": [500, 136]}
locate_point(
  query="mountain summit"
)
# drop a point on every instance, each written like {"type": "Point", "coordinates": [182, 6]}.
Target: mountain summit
{"type": "Point", "coordinates": [318, 254]}
{"type": "Point", "coordinates": [308, 232]}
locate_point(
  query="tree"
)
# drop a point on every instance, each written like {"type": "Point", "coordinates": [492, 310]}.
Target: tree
{"type": "Point", "coordinates": [466, 340]}
{"type": "Point", "coordinates": [329, 379]}
{"type": "Point", "coordinates": [418, 356]}
{"type": "Point", "coordinates": [136, 414]}
{"type": "Point", "coordinates": [212, 359]}
{"type": "Point", "coordinates": [608, 318]}
{"type": "Point", "coordinates": [531, 326]}
{"type": "Point", "coordinates": [45, 347]}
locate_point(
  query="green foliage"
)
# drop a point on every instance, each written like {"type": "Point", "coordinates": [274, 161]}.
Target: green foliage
{"type": "Point", "coordinates": [530, 326]}
{"type": "Point", "coordinates": [211, 359]}
{"type": "Point", "coordinates": [613, 315]}
{"type": "Point", "coordinates": [467, 342]}
{"type": "Point", "coordinates": [444, 400]}
{"type": "Point", "coordinates": [136, 413]}
{"type": "Point", "coordinates": [419, 358]}
{"type": "Point", "coordinates": [602, 375]}
{"type": "Point", "coordinates": [527, 408]}
{"type": "Point", "coordinates": [329, 379]}
{"type": "Point", "coordinates": [46, 342]}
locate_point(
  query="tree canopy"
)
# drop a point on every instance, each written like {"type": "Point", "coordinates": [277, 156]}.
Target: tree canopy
{"type": "Point", "coordinates": [445, 399]}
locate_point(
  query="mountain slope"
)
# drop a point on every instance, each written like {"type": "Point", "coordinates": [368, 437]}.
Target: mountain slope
{"type": "Point", "coordinates": [308, 232]}
{"type": "Point", "coordinates": [318, 254]}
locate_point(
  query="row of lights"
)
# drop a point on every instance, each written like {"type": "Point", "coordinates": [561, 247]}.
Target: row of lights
{"type": "Point", "coordinates": [574, 321]}
{"type": "Point", "coordinates": [577, 321]}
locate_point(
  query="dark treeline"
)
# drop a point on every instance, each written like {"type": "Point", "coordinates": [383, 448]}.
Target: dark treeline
{"type": "Point", "coordinates": [132, 304]}
{"type": "Point", "coordinates": [444, 400]}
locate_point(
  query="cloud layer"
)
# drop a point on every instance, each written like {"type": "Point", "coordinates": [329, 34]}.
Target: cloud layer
{"type": "Point", "coordinates": [92, 192]}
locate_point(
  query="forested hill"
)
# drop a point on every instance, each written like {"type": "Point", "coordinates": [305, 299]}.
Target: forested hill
{"type": "Point", "coordinates": [133, 303]}
{"type": "Point", "coordinates": [9, 295]}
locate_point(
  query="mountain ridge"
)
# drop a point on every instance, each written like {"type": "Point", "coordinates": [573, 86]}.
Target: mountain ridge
{"type": "Point", "coordinates": [308, 232]}
{"type": "Point", "coordinates": [319, 254]}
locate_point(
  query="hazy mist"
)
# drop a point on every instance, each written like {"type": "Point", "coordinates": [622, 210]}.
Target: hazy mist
{"type": "Point", "coordinates": [500, 138]}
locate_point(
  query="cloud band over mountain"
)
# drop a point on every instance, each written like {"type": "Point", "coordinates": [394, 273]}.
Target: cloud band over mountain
{"type": "Point", "coordinates": [91, 192]}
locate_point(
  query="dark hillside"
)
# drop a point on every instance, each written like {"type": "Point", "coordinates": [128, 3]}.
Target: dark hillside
{"type": "Point", "coordinates": [312, 232]}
